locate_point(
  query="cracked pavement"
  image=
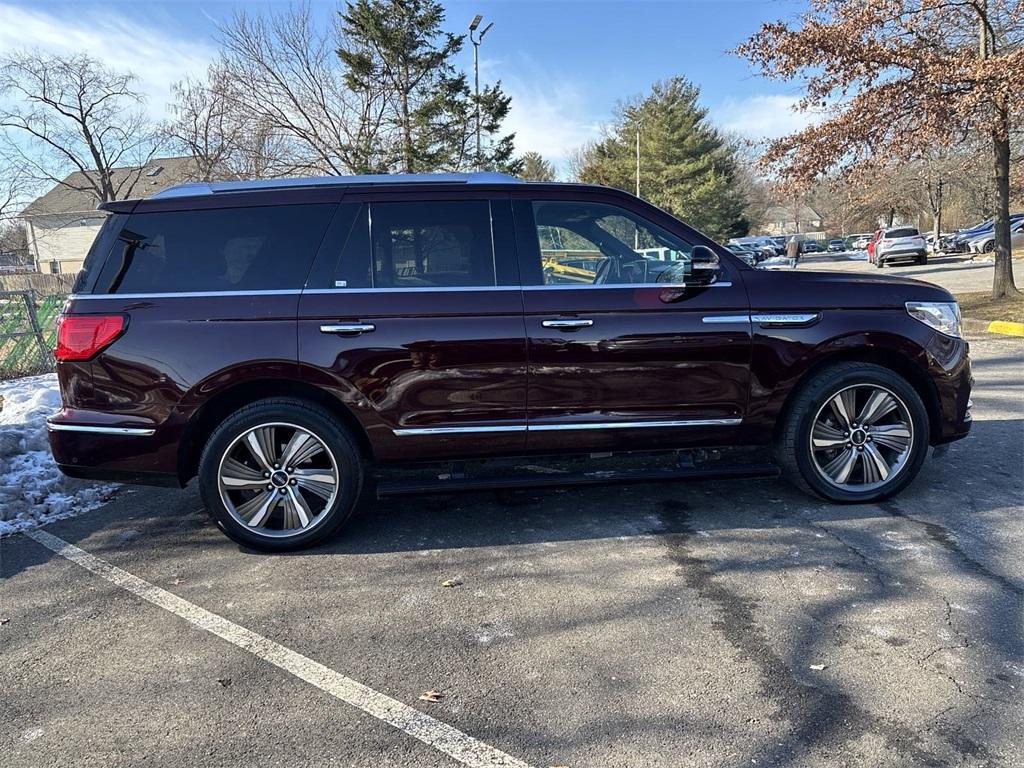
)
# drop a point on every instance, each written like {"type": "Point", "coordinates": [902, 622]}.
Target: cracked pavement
{"type": "Point", "coordinates": [717, 623]}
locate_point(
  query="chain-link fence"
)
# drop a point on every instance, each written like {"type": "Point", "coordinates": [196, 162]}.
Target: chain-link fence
{"type": "Point", "coordinates": [27, 332]}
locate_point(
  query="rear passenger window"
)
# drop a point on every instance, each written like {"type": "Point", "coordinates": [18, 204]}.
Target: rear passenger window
{"type": "Point", "coordinates": [225, 249]}
{"type": "Point", "coordinates": [426, 244]}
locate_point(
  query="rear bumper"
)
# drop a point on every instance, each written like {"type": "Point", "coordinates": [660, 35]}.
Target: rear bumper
{"type": "Point", "coordinates": [915, 253]}
{"type": "Point", "coordinates": [99, 446]}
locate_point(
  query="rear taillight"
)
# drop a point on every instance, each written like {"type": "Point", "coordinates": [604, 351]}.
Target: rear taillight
{"type": "Point", "coordinates": [80, 337]}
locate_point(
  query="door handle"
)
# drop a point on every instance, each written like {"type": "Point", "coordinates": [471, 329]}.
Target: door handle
{"type": "Point", "coordinates": [348, 329]}
{"type": "Point", "coordinates": [567, 324]}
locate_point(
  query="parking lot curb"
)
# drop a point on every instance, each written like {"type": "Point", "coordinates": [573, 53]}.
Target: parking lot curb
{"type": "Point", "coordinates": [1006, 328]}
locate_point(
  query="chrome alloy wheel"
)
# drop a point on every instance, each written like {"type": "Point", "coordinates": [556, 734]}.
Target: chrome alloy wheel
{"type": "Point", "coordinates": [862, 438]}
{"type": "Point", "coordinates": [278, 479]}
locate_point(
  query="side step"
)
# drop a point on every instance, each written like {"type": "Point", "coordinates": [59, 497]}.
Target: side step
{"type": "Point", "coordinates": [387, 488]}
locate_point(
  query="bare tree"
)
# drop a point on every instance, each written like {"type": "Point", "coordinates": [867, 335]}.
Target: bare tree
{"type": "Point", "coordinates": [73, 113]}
{"type": "Point", "coordinates": [226, 141]}
{"type": "Point", "coordinates": [282, 74]}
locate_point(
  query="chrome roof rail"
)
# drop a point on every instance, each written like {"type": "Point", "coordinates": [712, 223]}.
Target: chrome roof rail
{"type": "Point", "coordinates": [313, 182]}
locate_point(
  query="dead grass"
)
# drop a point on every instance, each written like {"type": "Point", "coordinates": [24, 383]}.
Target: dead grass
{"type": "Point", "coordinates": [979, 306]}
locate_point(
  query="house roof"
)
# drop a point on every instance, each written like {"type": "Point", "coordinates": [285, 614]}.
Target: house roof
{"type": "Point", "coordinates": [74, 194]}
{"type": "Point", "coordinates": [785, 213]}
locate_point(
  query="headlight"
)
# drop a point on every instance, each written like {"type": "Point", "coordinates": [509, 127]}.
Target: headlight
{"type": "Point", "coordinates": [943, 316]}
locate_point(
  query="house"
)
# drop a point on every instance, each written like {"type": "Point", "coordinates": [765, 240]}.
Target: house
{"type": "Point", "coordinates": [62, 224]}
{"type": "Point", "coordinates": [791, 219]}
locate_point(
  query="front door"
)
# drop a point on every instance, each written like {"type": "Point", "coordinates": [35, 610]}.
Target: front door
{"type": "Point", "coordinates": [621, 356]}
{"type": "Point", "coordinates": [413, 318]}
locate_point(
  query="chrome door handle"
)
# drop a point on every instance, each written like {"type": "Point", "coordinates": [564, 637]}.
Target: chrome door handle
{"type": "Point", "coordinates": [348, 329]}
{"type": "Point", "coordinates": [567, 324]}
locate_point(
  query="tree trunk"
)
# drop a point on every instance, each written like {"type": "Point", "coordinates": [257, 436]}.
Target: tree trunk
{"type": "Point", "coordinates": [937, 215]}
{"type": "Point", "coordinates": [1002, 278]}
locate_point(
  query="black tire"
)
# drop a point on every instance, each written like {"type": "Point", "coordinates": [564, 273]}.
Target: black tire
{"type": "Point", "coordinates": [989, 246]}
{"type": "Point", "coordinates": [879, 263]}
{"type": "Point", "coordinates": [792, 444]}
{"type": "Point", "coordinates": [922, 259]}
{"type": "Point", "coordinates": [317, 421]}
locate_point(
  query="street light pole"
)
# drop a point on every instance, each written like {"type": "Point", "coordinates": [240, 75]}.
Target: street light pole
{"type": "Point", "coordinates": [476, 73]}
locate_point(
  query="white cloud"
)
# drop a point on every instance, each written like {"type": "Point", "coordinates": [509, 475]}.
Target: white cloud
{"type": "Point", "coordinates": [156, 58]}
{"type": "Point", "coordinates": [548, 115]}
{"type": "Point", "coordinates": [762, 116]}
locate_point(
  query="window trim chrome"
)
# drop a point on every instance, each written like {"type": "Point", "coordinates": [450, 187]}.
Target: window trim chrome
{"type": "Point", "coordinates": [133, 431]}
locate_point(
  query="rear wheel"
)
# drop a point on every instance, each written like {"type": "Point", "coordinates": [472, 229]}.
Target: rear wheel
{"type": "Point", "coordinates": [280, 474]}
{"type": "Point", "coordinates": [856, 432]}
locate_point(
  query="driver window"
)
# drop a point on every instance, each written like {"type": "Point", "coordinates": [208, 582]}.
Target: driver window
{"type": "Point", "coordinates": [597, 244]}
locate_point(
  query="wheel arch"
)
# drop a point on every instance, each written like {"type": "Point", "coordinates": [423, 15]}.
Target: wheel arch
{"type": "Point", "coordinates": [212, 412]}
{"type": "Point", "coordinates": [886, 357]}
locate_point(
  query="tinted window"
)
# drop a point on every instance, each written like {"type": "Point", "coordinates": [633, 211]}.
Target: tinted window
{"type": "Point", "coordinates": [97, 255]}
{"type": "Point", "coordinates": [228, 249]}
{"type": "Point", "coordinates": [437, 243]}
{"type": "Point", "coordinates": [594, 244]}
{"type": "Point", "coordinates": [902, 232]}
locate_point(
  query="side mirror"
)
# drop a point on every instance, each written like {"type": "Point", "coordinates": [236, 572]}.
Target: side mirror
{"type": "Point", "coordinates": [704, 266]}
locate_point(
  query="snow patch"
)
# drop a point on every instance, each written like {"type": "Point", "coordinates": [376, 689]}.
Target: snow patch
{"type": "Point", "coordinates": [33, 491]}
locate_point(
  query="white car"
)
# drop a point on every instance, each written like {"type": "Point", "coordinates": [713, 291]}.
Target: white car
{"type": "Point", "coordinates": [986, 243]}
{"type": "Point", "coordinates": [900, 244]}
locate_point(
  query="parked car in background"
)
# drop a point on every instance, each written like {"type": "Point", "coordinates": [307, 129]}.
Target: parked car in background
{"type": "Point", "coordinates": [779, 242]}
{"type": "Point", "coordinates": [747, 254]}
{"type": "Point", "coordinates": [961, 240]}
{"type": "Point", "coordinates": [872, 243]}
{"type": "Point", "coordinates": [900, 244]}
{"type": "Point", "coordinates": [986, 242]}
{"type": "Point", "coordinates": [810, 246]}
{"type": "Point", "coordinates": [764, 246]}
{"type": "Point", "coordinates": [836, 245]}
{"type": "Point", "coordinates": [860, 242]}
{"type": "Point", "coordinates": [290, 342]}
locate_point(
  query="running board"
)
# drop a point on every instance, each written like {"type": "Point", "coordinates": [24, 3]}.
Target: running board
{"type": "Point", "coordinates": [386, 488]}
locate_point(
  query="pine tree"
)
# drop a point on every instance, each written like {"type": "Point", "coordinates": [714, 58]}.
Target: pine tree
{"type": "Point", "coordinates": [686, 166]}
{"type": "Point", "coordinates": [397, 55]}
{"type": "Point", "coordinates": [536, 168]}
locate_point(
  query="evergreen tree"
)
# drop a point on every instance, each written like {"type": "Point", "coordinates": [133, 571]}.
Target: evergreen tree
{"type": "Point", "coordinates": [686, 166]}
{"type": "Point", "coordinates": [397, 56]}
{"type": "Point", "coordinates": [536, 168]}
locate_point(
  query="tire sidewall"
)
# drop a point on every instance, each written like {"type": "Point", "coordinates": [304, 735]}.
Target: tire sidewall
{"type": "Point", "coordinates": [820, 395]}
{"type": "Point", "coordinates": [346, 456]}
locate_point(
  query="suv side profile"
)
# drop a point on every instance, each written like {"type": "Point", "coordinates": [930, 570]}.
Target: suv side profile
{"type": "Point", "coordinates": [287, 341]}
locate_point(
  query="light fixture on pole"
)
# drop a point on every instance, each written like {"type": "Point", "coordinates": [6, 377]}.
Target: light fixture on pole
{"type": "Point", "coordinates": [476, 40]}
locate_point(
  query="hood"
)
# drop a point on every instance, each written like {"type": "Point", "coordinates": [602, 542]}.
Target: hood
{"type": "Point", "coordinates": [785, 290]}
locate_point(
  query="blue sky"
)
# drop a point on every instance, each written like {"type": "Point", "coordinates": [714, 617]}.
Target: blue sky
{"type": "Point", "coordinates": [565, 62]}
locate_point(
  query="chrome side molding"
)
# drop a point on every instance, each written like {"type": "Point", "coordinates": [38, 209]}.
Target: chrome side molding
{"type": "Point", "coordinates": [414, 431]}
{"type": "Point", "coordinates": [133, 431]}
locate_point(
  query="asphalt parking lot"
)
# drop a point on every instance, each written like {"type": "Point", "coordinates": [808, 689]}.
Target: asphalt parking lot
{"type": "Point", "coordinates": [954, 272]}
{"type": "Point", "coordinates": [718, 623]}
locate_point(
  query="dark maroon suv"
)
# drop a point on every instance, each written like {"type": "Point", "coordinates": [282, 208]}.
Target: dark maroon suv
{"type": "Point", "coordinates": [287, 341]}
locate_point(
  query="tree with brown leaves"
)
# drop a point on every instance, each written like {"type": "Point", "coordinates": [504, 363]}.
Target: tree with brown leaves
{"type": "Point", "coordinates": [895, 78]}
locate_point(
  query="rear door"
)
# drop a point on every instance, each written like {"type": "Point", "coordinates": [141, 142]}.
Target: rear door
{"type": "Point", "coordinates": [620, 358]}
{"type": "Point", "coordinates": [413, 317]}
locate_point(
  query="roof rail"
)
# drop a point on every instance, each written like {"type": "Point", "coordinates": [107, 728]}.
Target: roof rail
{"type": "Point", "coordinates": [217, 187]}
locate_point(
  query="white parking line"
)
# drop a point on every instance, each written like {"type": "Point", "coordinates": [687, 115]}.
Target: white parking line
{"type": "Point", "coordinates": [429, 730]}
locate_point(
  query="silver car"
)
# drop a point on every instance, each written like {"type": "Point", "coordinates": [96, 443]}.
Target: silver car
{"type": "Point", "coordinates": [900, 244]}
{"type": "Point", "coordinates": [986, 243]}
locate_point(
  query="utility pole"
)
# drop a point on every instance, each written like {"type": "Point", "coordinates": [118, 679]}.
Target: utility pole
{"type": "Point", "coordinates": [476, 73]}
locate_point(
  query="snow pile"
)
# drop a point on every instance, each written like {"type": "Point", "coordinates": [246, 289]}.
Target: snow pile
{"type": "Point", "coordinates": [32, 490]}
{"type": "Point", "coordinates": [857, 255]}
{"type": "Point", "coordinates": [777, 262]}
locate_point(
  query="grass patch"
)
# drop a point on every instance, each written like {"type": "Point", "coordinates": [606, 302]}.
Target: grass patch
{"type": "Point", "coordinates": [979, 306]}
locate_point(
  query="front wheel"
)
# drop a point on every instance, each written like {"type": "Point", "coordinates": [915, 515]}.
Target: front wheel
{"type": "Point", "coordinates": [856, 432]}
{"type": "Point", "coordinates": [280, 474]}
